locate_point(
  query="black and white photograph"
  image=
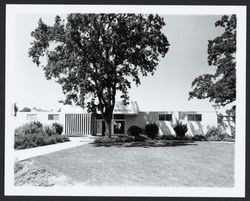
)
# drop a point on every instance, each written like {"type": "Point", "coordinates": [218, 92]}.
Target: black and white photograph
{"type": "Point", "coordinates": [125, 100]}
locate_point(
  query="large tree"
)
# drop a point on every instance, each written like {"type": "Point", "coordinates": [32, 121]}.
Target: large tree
{"type": "Point", "coordinates": [95, 55]}
{"type": "Point", "coordinates": [219, 87]}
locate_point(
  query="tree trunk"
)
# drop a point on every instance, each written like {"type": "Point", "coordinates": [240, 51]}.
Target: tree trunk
{"type": "Point", "coordinates": [107, 117]}
{"type": "Point", "coordinates": [108, 125]}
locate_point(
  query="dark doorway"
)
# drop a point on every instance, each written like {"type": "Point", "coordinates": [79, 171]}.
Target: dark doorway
{"type": "Point", "coordinates": [119, 127]}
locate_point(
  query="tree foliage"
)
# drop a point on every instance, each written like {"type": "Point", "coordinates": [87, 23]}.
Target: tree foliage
{"type": "Point", "coordinates": [220, 87]}
{"type": "Point", "coordinates": [95, 55]}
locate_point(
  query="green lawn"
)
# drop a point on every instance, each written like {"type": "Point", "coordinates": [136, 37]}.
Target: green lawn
{"type": "Point", "coordinates": [29, 174]}
{"type": "Point", "coordinates": [202, 164]}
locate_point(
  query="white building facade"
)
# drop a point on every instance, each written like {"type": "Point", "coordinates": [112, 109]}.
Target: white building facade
{"type": "Point", "coordinates": [77, 122]}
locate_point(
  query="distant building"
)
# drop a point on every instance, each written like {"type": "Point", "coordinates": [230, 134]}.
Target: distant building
{"type": "Point", "coordinates": [25, 109]}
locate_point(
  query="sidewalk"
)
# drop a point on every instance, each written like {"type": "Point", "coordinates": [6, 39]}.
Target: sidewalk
{"type": "Point", "coordinates": [37, 151]}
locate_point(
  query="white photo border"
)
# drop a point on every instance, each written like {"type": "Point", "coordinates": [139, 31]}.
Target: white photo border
{"type": "Point", "coordinates": [237, 191]}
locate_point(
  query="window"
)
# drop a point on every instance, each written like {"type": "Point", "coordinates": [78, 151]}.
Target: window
{"type": "Point", "coordinates": [119, 127]}
{"type": "Point", "coordinates": [165, 117]}
{"type": "Point", "coordinates": [190, 117]}
{"type": "Point", "coordinates": [53, 117]}
{"type": "Point", "coordinates": [119, 116]}
{"type": "Point", "coordinates": [194, 117]}
{"type": "Point", "coordinates": [31, 117]}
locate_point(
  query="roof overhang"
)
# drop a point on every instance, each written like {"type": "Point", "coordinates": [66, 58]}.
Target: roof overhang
{"type": "Point", "coordinates": [130, 109]}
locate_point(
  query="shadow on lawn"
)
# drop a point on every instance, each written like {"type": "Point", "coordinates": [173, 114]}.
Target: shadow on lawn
{"type": "Point", "coordinates": [148, 144]}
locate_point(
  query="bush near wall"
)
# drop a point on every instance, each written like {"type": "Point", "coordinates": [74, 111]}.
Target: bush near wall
{"type": "Point", "coordinates": [49, 130]}
{"type": "Point", "coordinates": [217, 134]}
{"type": "Point", "coordinates": [58, 128]}
{"type": "Point", "coordinates": [135, 131]}
{"type": "Point", "coordinates": [34, 134]}
{"type": "Point", "coordinates": [112, 141]}
{"type": "Point", "coordinates": [29, 128]}
{"type": "Point", "coordinates": [196, 137]}
{"type": "Point", "coordinates": [152, 130]}
{"type": "Point", "coordinates": [180, 130]}
{"type": "Point", "coordinates": [199, 137]}
{"type": "Point", "coordinates": [166, 137]}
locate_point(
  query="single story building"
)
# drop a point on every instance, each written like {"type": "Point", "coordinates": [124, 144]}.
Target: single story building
{"type": "Point", "coordinates": [76, 122]}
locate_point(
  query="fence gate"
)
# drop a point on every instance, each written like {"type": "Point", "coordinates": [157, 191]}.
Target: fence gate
{"type": "Point", "coordinates": [78, 124]}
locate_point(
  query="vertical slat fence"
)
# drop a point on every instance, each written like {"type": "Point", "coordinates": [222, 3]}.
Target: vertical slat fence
{"type": "Point", "coordinates": [78, 124]}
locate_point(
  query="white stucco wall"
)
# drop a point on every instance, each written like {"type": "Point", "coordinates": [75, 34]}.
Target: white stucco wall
{"type": "Point", "coordinates": [209, 119]}
{"type": "Point", "coordinates": [166, 127]}
{"type": "Point", "coordinates": [21, 118]}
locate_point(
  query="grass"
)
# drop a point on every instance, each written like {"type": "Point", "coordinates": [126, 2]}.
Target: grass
{"type": "Point", "coordinates": [29, 174]}
{"type": "Point", "coordinates": [199, 164]}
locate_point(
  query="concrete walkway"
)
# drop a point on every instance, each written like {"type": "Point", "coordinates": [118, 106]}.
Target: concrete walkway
{"type": "Point", "coordinates": [37, 151]}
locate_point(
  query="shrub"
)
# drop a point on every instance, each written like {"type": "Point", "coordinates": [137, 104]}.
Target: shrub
{"type": "Point", "coordinates": [229, 138]}
{"type": "Point", "coordinates": [199, 138]}
{"type": "Point", "coordinates": [66, 139]}
{"type": "Point", "coordinates": [180, 130]}
{"type": "Point", "coordinates": [34, 134]}
{"type": "Point", "coordinates": [117, 140]}
{"type": "Point", "coordinates": [113, 140]}
{"type": "Point", "coordinates": [19, 131]}
{"type": "Point", "coordinates": [152, 130]}
{"type": "Point", "coordinates": [30, 128]}
{"type": "Point", "coordinates": [18, 142]}
{"type": "Point", "coordinates": [58, 128]}
{"type": "Point", "coordinates": [49, 131]}
{"type": "Point", "coordinates": [167, 137]}
{"type": "Point", "coordinates": [62, 138]}
{"type": "Point", "coordinates": [187, 137]}
{"type": "Point", "coordinates": [232, 131]}
{"type": "Point", "coordinates": [59, 138]}
{"type": "Point", "coordinates": [50, 140]}
{"type": "Point", "coordinates": [213, 131]}
{"type": "Point", "coordinates": [216, 134]}
{"type": "Point", "coordinates": [134, 131]}
{"type": "Point", "coordinates": [35, 140]}
{"type": "Point", "coordinates": [103, 140]}
{"type": "Point", "coordinates": [40, 140]}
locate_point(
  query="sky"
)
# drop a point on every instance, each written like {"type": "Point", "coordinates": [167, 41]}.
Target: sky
{"type": "Point", "coordinates": [167, 90]}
